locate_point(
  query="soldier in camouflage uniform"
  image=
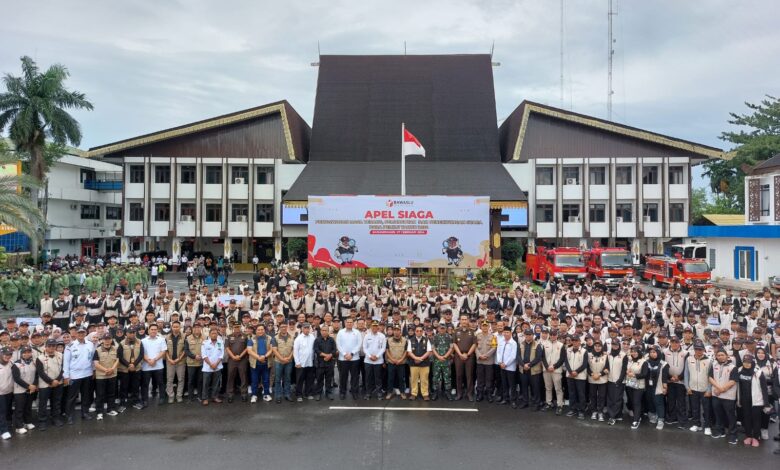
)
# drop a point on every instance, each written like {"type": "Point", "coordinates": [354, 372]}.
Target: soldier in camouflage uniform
{"type": "Point", "coordinates": [442, 352]}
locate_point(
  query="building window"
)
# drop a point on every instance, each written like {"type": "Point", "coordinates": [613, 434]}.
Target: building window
{"type": "Point", "coordinates": [598, 175]}
{"type": "Point", "coordinates": [239, 212]}
{"type": "Point", "coordinates": [265, 175]}
{"type": "Point", "coordinates": [649, 175]}
{"type": "Point", "coordinates": [571, 212]}
{"type": "Point", "coordinates": [136, 174]}
{"type": "Point", "coordinates": [264, 213]}
{"type": "Point", "coordinates": [113, 213]}
{"type": "Point", "coordinates": [90, 212]}
{"type": "Point", "coordinates": [624, 175]}
{"type": "Point", "coordinates": [239, 174]}
{"type": "Point", "coordinates": [624, 212]}
{"type": "Point", "coordinates": [187, 211]}
{"type": "Point", "coordinates": [544, 213]}
{"type": "Point", "coordinates": [677, 212]}
{"type": "Point", "coordinates": [598, 213]}
{"type": "Point", "coordinates": [713, 259]}
{"type": "Point", "coordinates": [544, 176]}
{"type": "Point", "coordinates": [571, 175]}
{"type": "Point", "coordinates": [676, 175]}
{"type": "Point", "coordinates": [162, 212]}
{"type": "Point", "coordinates": [764, 198]}
{"type": "Point", "coordinates": [213, 212]}
{"type": "Point", "coordinates": [188, 174]}
{"type": "Point", "coordinates": [87, 175]}
{"type": "Point", "coordinates": [213, 174]}
{"type": "Point", "coordinates": [136, 212]}
{"type": "Point", "coordinates": [650, 212]}
{"type": "Point", "coordinates": [162, 174]}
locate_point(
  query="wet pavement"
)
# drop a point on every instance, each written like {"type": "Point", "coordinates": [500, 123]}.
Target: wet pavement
{"type": "Point", "coordinates": [311, 435]}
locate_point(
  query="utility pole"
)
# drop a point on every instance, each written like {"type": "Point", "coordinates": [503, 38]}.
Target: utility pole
{"type": "Point", "coordinates": [610, 56]}
{"type": "Point", "coordinates": [562, 54]}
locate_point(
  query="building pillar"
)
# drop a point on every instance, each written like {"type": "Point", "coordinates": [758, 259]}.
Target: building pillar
{"type": "Point", "coordinates": [245, 242]}
{"type": "Point", "coordinates": [495, 236]}
{"type": "Point", "coordinates": [124, 250]}
{"type": "Point", "coordinates": [176, 248]}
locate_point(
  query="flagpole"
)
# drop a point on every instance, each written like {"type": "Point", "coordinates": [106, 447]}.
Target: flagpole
{"type": "Point", "coordinates": [403, 163]}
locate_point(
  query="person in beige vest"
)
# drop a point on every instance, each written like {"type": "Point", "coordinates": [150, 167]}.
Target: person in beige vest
{"type": "Point", "coordinates": [174, 361]}
{"type": "Point", "coordinates": [49, 366]}
{"type": "Point", "coordinates": [106, 362]}
{"type": "Point", "coordinates": [597, 381]}
{"type": "Point", "coordinates": [724, 396]}
{"type": "Point", "coordinates": [697, 371]}
{"type": "Point", "coordinates": [636, 373]}
{"type": "Point", "coordinates": [552, 362]}
{"type": "Point", "coordinates": [6, 390]}
{"type": "Point", "coordinates": [25, 377]}
{"type": "Point", "coordinates": [576, 366]}
{"type": "Point", "coordinates": [194, 361]}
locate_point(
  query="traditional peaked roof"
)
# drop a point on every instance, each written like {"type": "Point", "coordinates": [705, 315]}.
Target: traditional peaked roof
{"type": "Point", "coordinates": [296, 131]}
{"type": "Point", "coordinates": [589, 137]}
{"type": "Point", "coordinates": [767, 166]}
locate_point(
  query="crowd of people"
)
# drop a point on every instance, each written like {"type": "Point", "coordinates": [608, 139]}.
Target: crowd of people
{"type": "Point", "coordinates": [703, 361]}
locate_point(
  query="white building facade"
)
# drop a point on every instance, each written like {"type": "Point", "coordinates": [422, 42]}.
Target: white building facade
{"type": "Point", "coordinates": [83, 206]}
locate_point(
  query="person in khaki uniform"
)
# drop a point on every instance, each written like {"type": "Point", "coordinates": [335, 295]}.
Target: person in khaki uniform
{"type": "Point", "coordinates": [395, 358]}
{"type": "Point", "coordinates": [235, 349]}
{"type": "Point", "coordinates": [486, 351]}
{"type": "Point", "coordinates": [175, 365]}
{"type": "Point", "coordinates": [106, 360]}
{"type": "Point", "coordinates": [529, 366]}
{"type": "Point", "coordinates": [553, 370]}
{"type": "Point", "coordinates": [283, 352]}
{"type": "Point", "coordinates": [131, 353]}
{"type": "Point", "coordinates": [49, 366]}
{"type": "Point", "coordinates": [194, 361]}
{"type": "Point", "coordinates": [465, 345]}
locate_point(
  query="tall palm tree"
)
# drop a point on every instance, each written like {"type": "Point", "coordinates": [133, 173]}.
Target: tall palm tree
{"type": "Point", "coordinates": [34, 109]}
{"type": "Point", "coordinates": [16, 208]}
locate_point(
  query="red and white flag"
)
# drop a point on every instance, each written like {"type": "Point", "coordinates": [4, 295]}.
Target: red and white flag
{"type": "Point", "coordinates": [411, 145]}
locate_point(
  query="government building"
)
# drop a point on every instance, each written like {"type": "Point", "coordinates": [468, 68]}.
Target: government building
{"type": "Point", "coordinates": [238, 184]}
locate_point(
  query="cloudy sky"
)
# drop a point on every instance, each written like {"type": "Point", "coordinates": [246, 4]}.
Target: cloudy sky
{"type": "Point", "coordinates": [680, 66]}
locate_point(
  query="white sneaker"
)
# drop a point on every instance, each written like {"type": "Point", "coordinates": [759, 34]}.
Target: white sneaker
{"type": "Point", "coordinates": [594, 416]}
{"type": "Point", "coordinates": [694, 429]}
{"type": "Point", "coordinates": [29, 426]}
{"type": "Point", "coordinates": [99, 417]}
{"type": "Point", "coordinates": [267, 398]}
{"type": "Point", "coordinates": [765, 434]}
{"type": "Point", "coordinates": [660, 424]}
{"type": "Point", "coordinates": [112, 413]}
{"type": "Point", "coordinates": [92, 409]}
{"type": "Point", "coordinates": [254, 399]}
{"type": "Point", "coordinates": [707, 432]}
{"type": "Point", "coordinates": [21, 431]}
{"type": "Point", "coordinates": [6, 436]}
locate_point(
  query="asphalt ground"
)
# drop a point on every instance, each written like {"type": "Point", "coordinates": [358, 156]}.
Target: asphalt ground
{"type": "Point", "coordinates": [311, 435]}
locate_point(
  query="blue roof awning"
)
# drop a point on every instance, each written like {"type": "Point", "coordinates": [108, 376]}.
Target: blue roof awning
{"type": "Point", "coordinates": [734, 231]}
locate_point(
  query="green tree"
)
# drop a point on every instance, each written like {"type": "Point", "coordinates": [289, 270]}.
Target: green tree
{"type": "Point", "coordinates": [701, 204]}
{"type": "Point", "coordinates": [16, 209]}
{"type": "Point", "coordinates": [511, 253]}
{"type": "Point", "coordinates": [34, 108]}
{"type": "Point", "coordinates": [758, 140]}
{"type": "Point", "coordinates": [296, 249]}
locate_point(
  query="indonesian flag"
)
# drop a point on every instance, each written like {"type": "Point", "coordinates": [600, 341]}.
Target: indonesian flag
{"type": "Point", "coordinates": [411, 145]}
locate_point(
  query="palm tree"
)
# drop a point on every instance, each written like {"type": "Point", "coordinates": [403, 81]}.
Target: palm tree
{"type": "Point", "coordinates": [34, 108]}
{"type": "Point", "coordinates": [16, 209]}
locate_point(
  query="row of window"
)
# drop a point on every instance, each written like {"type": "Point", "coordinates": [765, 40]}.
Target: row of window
{"type": "Point", "coordinates": [239, 174]}
{"type": "Point", "coordinates": [597, 175]}
{"type": "Point", "coordinates": [597, 212]}
{"type": "Point", "coordinates": [92, 212]}
{"type": "Point", "coordinates": [213, 212]}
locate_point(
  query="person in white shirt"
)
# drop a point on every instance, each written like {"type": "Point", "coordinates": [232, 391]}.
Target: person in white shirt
{"type": "Point", "coordinates": [77, 368]}
{"type": "Point", "coordinates": [348, 342]}
{"type": "Point", "coordinates": [303, 353]}
{"type": "Point", "coordinates": [152, 365]}
{"type": "Point", "coordinates": [506, 358]}
{"type": "Point", "coordinates": [212, 351]}
{"type": "Point", "coordinates": [374, 345]}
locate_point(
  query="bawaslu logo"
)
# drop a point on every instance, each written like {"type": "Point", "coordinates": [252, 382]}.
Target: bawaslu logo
{"type": "Point", "coordinates": [400, 202]}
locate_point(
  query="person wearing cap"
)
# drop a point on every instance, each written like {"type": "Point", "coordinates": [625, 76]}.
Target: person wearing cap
{"type": "Point", "coordinates": [130, 353]}
{"type": "Point", "coordinates": [576, 364]}
{"type": "Point", "coordinates": [753, 398]}
{"type": "Point", "coordinates": [77, 373]}
{"type": "Point", "coordinates": [529, 366]}
{"type": "Point", "coordinates": [6, 390]}
{"type": "Point", "coordinates": [442, 353]}
{"type": "Point", "coordinates": [303, 354]}
{"type": "Point", "coordinates": [636, 374]}
{"type": "Point", "coordinates": [465, 345]}
{"type": "Point", "coordinates": [106, 361]}
{"type": "Point", "coordinates": [213, 352]}
{"type": "Point", "coordinates": [395, 358]}
{"type": "Point", "coordinates": [696, 381]}
{"type": "Point", "coordinates": [237, 362]}
{"type": "Point", "coordinates": [25, 378]}
{"type": "Point", "coordinates": [676, 411]}
{"type": "Point", "coordinates": [282, 345]}
{"type": "Point", "coordinates": [724, 396]}
{"type": "Point", "coordinates": [552, 362]}
{"type": "Point", "coordinates": [374, 346]}
{"type": "Point", "coordinates": [194, 362]}
{"type": "Point", "coordinates": [49, 368]}
{"type": "Point", "coordinates": [485, 354]}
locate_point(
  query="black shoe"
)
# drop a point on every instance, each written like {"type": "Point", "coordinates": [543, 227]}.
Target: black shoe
{"type": "Point", "coordinates": [319, 397]}
{"type": "Point", "coordinates": [243, 398]}
{"type": "Point", "coordinates": [230, 400]}
{"type": "Point", "coordinates": [58, 422]}
{"type": "Point", "coordinates": [70, 420]}
{"type": "Point", "coordinates": [479, 398]}
{"type": "Point", "coordinates": [434, 396]}
{"type": "Point", "coordinates": [288, 398]}
{"type": "Point", "coordinates": [354, 396]}
{"type": "Point", "coordinates": [161, 401]}
{"type": "Point", "coordinates": [502, 402]}
{"type": "Point", "coordinates": [570, 413]}
{"type": "Point", "coordinates": [329, 396]}
{"type": "Point", "coordinates": [42, 426]}
{"type": "Point", "coordinates": [449, 396]}
{"type": "Point", "coordinates": [279, 400]}
{"type": "Point", "coordinates": [86, 417]}
{"type": "Point", "coordinates": [558, 411]}
{"type": "Point", "coordinates": [777, 438]}
{"type": "Point", "coordinates": [523, 406]}
{"type": "Point", "coordinates": [580, 415]}
{"type": "Point", "coordinates": [490, 399]}
{"type": "Point", "coordinates": [514, 405]}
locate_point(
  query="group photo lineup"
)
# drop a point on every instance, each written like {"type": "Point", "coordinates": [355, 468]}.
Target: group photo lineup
{"type": "Point", "coordinates": [356, 235]}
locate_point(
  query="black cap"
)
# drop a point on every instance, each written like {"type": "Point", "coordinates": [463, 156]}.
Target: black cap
{"type": "Point", "coordinates": [528, 331]}
{"type": "Point", "coordinates": [51, 342]}
{"type": "Point", "coordinates": [6, 351]}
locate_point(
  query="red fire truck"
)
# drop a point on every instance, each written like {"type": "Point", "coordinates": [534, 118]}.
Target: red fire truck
{"type": "Point", "coordinates": [679, 273]}
{"type": "Point", "coordinates": [609, 265]}
{"type": "Point", "coordinates": [564, 263]}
